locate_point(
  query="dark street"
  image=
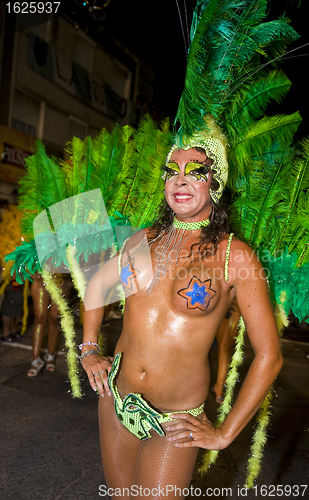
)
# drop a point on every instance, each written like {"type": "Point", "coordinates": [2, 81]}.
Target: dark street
{"type": "Point", "coordinates": [50, 446]}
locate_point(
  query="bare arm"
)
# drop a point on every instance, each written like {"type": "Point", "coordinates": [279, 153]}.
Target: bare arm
{"type": "Point", "coordinates": [100, 292]}
{"type": "Point", "coordinates": [256, 310]}
{"type": "Point", "coordinates": [96, 365]}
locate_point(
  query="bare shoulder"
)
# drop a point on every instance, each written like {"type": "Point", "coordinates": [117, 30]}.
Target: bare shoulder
{"type": "Point", "coordinates": [136, 238]}
{"type": "Point", "coordinates": [244, 264]}
{"type": "Point", "coordinates": [241, 253]}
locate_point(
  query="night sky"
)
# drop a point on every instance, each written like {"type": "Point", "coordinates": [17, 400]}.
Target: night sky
{"type": "Point", "coordinates": [152, 29]}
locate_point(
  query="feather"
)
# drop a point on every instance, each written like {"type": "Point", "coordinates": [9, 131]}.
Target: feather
{"type": "Point", "coordinates": [144, 144]}
{"type": "Point", "coordinates": [298, 181]}
{"type": "Point", "coordinates": [260, 137]}
{"type": "Point", "coordinates": [121, 158]}
{"type": "Point", "coordinates": [298, 232]}
{"type": "Point", "coordinates": [154, 192]}
{"type": "Point", "coordinates": [102, 155]}
{"type": "Point", "coordinates": [261, 205]}
{"type": "Point", "coordinates": [226, 36]}
{"type": "Point", "coordinates": [79, 168]}
{"type": "Point", "coordinates": [25, 261]}
{"type": "Point", "coordinates": [250, 102]}
{"type": "Point", "coordinates": [67, 325]}
{"type": "Point", "coordinates": [42, 186]}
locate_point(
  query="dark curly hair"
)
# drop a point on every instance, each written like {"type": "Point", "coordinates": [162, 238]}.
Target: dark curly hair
{"type": "Point", "coordinates": [212, 234]}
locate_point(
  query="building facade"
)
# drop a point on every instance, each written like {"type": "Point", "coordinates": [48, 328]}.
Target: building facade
{"type": "Point", "coordinates": [57, 82]}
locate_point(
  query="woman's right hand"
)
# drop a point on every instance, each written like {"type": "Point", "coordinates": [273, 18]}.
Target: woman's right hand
{"type": "Point", "coordinates": [97, 368]}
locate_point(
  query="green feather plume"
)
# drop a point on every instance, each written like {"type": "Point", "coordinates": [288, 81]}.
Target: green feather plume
{"type": "Point", "coordinates": [144, 149]}
{"type": "Point", "coordinates": [42, 186]}
{"type": "Point", "coordinates": [227, 37]}
{"type": "Point", "coordinates": [153, 194]}
{"type": "Point", "coordinates": [121, 186]}
{"type": "Point", "coordinates": [298, 234]}
{"type": "Point", "coordinates": [109, 163]}
{"type": "Point", "coordinates": [295, 230]}
{"type": "Point", "coordinates": [259, 138]}
{"type": "Point", "coordinates": [259, 206]}
{"type": "Point", "coordinates": [79, 167]}
{"type": "Point", "coordinates": [250, 102]}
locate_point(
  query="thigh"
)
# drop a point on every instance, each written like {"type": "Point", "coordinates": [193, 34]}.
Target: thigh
{"type": "Point", "coordinates": [163, 469]}
{"type": "Point", "coordinates": [119, 448]}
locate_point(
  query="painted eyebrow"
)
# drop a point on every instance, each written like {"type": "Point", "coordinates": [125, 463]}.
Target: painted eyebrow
{"type": "Point", "coordinates": [202, 168]}
{"type": "Point", "coordinates": [190, 161]}
{"type": "Point", "coordinates": [166, 167]}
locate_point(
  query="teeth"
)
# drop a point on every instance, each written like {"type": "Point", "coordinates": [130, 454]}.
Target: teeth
{"type": "Point", "coordinates": [183, 197]}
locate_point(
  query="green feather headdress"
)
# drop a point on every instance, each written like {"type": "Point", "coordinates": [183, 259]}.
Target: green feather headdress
{"type": "Point", "coordinates": [229, 39]}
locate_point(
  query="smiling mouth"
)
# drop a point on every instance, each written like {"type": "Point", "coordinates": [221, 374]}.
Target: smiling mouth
{"type": "Point", "coordinates": [182, 197]}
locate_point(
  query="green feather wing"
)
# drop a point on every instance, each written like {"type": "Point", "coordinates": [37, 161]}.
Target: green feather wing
{"type": "Point", "coordinates": [153, 192]}
{"type": "Point", "coordinates": [144, 150]}
{"type": "Point", "coordinates": [121, 183]}
{"type": "Point", "coordinates": [259, 138]}
{"type": "Point", "coordinates": [296, 227]}
{"type": "Point", "coordinates": [250, 101]}
{"type": "Point", "coordinates": [298, 234]}
{"type": "Point", "coordinates": [41, 187]}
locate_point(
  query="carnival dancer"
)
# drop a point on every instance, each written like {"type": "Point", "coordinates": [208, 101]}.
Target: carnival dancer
{"type": "Point", "coordinates": [151, 409]}
{"type": "Point", "coordinates": [45, 311]}
{"type": "Point", "coordinates": [152, 418]}
{"type": "Point", "coordinates": [151, 415]}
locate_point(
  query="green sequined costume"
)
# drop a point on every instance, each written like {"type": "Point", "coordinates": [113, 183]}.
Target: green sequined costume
{"type": "Point", "coordinates": [136, 414]}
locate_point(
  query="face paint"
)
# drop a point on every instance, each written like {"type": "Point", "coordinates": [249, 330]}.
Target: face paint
{"type": "Point", "coordinates": [197, 170]}
{"type": "Point", "coordinates": [170, 171]}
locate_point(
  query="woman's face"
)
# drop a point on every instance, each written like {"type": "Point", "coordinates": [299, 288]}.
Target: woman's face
{"type": "Point", "coordinates": [187, 185]}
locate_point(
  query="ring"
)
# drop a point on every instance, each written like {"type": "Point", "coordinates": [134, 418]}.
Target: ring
{"type": "Point", "coordinates": [191, 435]}
{"type": "Point", "coordinates": [99, 373]}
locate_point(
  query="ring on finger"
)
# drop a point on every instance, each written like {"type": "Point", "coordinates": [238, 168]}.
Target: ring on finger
{"type": "Point", "coordinates": [191, 435]}
{"type": "Point", "coordinates": [99, 373]}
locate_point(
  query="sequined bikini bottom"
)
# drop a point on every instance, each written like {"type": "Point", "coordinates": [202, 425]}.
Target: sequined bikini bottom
{"type": "Point", "coordinates": [136, 414]}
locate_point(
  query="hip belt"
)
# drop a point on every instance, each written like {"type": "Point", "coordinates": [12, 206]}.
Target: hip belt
{"type": "Point", "coordinates": [135, 413]}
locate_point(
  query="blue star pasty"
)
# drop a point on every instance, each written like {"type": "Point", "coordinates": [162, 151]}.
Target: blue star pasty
{"type": "Point", "coordinates": [128, 274]}
{"type": "Point", "coordinates": [198, 293]}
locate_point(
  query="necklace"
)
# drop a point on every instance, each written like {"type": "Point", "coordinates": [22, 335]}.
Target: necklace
{"type": "Point", "coordinates": [190, 225]}
{"type": "Point", "coordinates": [171, 243]}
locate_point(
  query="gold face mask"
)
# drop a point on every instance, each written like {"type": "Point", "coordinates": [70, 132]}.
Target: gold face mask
{"type": "Point", "coordinates": [196, 170]}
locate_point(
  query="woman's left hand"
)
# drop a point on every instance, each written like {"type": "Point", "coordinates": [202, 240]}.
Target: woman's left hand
{"type": "Point", "coordinates": [192, 432]}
